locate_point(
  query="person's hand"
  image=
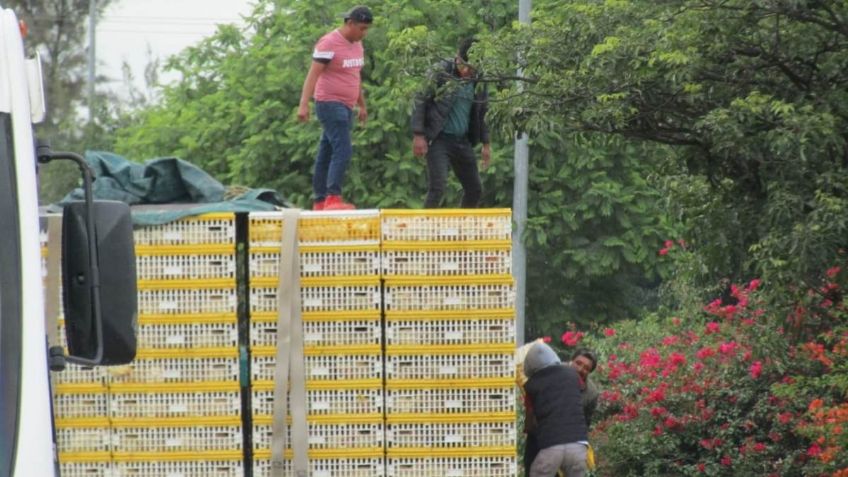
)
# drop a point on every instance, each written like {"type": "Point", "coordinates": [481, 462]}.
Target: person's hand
{"type": "Point", "coordinates": [486, 153]}
{"type": "Point", "coordinates": [419, 145]}
{"type": "Point", "coordinates": [363, 114]}
{"type": "Point", "coordinates": [303, 113]}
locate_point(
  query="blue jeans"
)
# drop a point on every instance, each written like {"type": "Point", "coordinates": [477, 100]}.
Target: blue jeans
{"type": "Point", "coordinates": [334, 150]}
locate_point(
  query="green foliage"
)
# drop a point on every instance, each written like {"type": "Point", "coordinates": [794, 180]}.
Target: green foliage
{"type": "Point", "coordinates": [594, 224]}
{"type": "Point", "coordinates": [746, 92]}
{"type": "Point", "coordinates": [725, 391]}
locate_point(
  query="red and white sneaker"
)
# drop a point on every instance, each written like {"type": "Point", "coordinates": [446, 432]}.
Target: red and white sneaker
{"type": "Point", "coordinates": [335, 202]}
{"type": "Point", "coordinates": [318, 205]}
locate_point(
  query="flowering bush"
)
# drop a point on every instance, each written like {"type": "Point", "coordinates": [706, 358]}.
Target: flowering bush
{"type": "Point", "coordinates": [734, 389]}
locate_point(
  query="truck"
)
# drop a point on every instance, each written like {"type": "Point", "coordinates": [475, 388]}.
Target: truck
{"type": "Point", "coordinates": [99, 301]}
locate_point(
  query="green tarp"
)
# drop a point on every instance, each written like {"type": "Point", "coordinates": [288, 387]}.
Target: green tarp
{"type": "Point", "coordinates": [167, 189]}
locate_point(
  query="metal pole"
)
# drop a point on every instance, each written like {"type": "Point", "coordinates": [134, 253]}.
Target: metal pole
{"type": "Point", "coordinates": [519, 209]}
{"type": "Point", "coordinates": [92, 58]}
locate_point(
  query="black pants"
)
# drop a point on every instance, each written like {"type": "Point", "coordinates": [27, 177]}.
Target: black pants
{"type": "Point", "coordinates": [457, 152]}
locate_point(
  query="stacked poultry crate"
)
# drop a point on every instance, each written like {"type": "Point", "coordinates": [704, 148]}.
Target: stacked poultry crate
{"type": "Point", "coordinates": [450, 335]}
{"type": "Point", "coordinates": [340, 302]}
{"type": "Point", "coordinates": [176, 410]}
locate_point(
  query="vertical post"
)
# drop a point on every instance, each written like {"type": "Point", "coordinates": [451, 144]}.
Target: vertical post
{"type": "Point", "coordinates": [92, 57]}
{"type": "Point", "coordinates": [519, 208]}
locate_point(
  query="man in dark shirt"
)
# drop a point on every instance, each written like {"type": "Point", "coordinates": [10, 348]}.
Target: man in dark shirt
{"type": "Point", "coordinates": [555, 414]}
{"type": "Point", "coordinates": [448, 120]}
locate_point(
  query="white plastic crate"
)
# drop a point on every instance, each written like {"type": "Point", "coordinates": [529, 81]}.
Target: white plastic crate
{"type": "Point", "coordinates": [327, 436]}
{"type": "Point", "coordinates": [455, 332]}
{"type": "Point", "coordinates": [321, 333]}
{"type": "Point", "coordinates": [446, 262]}
{"type": "Point", "coordinates": [177, 404]}
{"type": "Point", "coordinates": [441, 226]}
{"type": "Point", "coordinates": [328, 468]}
{"type": "Point", "coordinates": [450, 401]}
{"type": "Point", "coordinates": [324, 368]}
{"type": "Point", "coordinates": [501, 434]}
{"type": "Point", "coordinates": [83, 439]}
{"type": "Point", "coordinates": [216, 228]}
{"type": "Point", "coordinates": [354, 227]}
{"type": "Point", "coordinates": [181, 302]}
{"type": "Point", "coordinates": [198, 468]}
{"type": "Point", "coordinates": [87, 469]}
{"type": "Point", "coordinates": [75, 373]}
{"type": "Point", "coordinates": [428, 297]}
{"type": "Point", "coordinates": [320, 263]}
{"type": "Point", "coordinates": [453, 467]}
{"type": "Point", "coordinates": [171, 267]}
{"type": "Point", "coordinates": [178, 370]}
{"type": "Point", "coordinates": [76, 405]}
{"type": "Point", "coordinates": [187, 335]}
{"type": "Point", "coordinates": [176, 439]}
{"type": "Point", "coordinates": [320, 402]}
{"type": "Point", "coordinates": [449, 366]}
{"type": "Point", "coordinates": [328, 298]}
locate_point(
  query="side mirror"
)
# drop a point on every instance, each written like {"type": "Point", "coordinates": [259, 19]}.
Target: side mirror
{"type": "Point", "coordinates": [99, 283]}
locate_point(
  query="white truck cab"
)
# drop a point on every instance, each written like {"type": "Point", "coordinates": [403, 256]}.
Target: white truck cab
{"type": "Point", "coordinates": [99, 330]}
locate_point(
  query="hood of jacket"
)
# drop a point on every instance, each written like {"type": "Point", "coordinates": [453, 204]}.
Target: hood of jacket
{"type": "Point", "coordinates": [539, 357]}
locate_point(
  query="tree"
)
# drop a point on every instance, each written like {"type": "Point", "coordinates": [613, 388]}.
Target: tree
{"type": "Point", "coordinates": [234, 114]}
{"type": "Point", "coordinates": [750, 94]}
{"type": "Point", "coordinates": [57, 31]}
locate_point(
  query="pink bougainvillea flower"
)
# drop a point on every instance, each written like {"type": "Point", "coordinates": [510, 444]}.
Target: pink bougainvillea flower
{"type": "Point", "coordinates": [832, 272]}
{"type": "Point", "coordinates": [728, 347]}
{"type": "Point", "coordinates": [668, 243]}
{"type": "Point", "coordinates": [663, 251]}
{"type": "Point", "coordinates": [712, 327]}
{"type": "Point", "coordinates": [759, 447]}
{"type": "Point", "coordinates": [677, 359]}
{"type": "Point", "coordinates": [571, 338]}
{"type": "Point", "coordinates": [756, 369]}
{"type": "Point", "coordinates": [754, 284]}
{"type": "Point", "coordinates": [814, 450]}
{"type": "Point", "coordinates": [726, 461]}
{"type": "Point", "coordinates": [650, 358]}
{"type": "Point", "coordinates": [670, 340]}
{"type": "Point", "coordinates": [785, 417]}
{"type": "Point", "coordinates": [705, 353]}
{"type": "Point", "coordinates": [609, 332]}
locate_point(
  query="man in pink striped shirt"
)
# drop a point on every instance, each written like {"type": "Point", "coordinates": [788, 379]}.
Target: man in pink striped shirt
{"type": "Point", "coordinates": [334, 82]}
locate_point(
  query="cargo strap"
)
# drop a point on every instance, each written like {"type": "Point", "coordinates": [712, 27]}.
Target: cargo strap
{"type": "Point", "coordinates": [54, 274]}
{"type": "Point", "coordinates": [289, 359]}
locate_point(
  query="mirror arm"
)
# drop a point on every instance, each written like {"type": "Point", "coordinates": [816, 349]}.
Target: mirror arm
{"type": "Point", "coordinates": [45, 155]}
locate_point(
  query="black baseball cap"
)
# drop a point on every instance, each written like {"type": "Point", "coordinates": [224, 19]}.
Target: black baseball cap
{"type": "Point", "coordinates": [359, 14]}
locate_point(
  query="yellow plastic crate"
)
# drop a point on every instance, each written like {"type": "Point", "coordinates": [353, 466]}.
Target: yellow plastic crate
{"type": "Point", "coordinates": [459, 466]}
{"type": "Point", "coordinates": [339, 467]}
{"type": "Point", "coordinates": [446, 225]}
{"type": "Point", "coordinates": [440, 439]}
{"type": "Point", "coordinates": [449, 332]}
{"type": "Point", "coordinates": [354, 227]}
{"type": "Point", "coordinates": [334, 436]}
{"type": "Point", "coordinates": [215, 228]}
{"type": "Point", "coordinates": [349, 402]}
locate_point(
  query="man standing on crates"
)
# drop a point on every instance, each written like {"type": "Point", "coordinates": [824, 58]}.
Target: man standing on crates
{"type": "Point", "coordinates": [447, 122]}
{"type": "Point", "coordinates": [334, 81]}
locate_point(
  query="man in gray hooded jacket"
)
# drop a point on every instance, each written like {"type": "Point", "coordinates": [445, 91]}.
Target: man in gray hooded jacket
{"type": "Point", "coordinates": [555, 414]}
